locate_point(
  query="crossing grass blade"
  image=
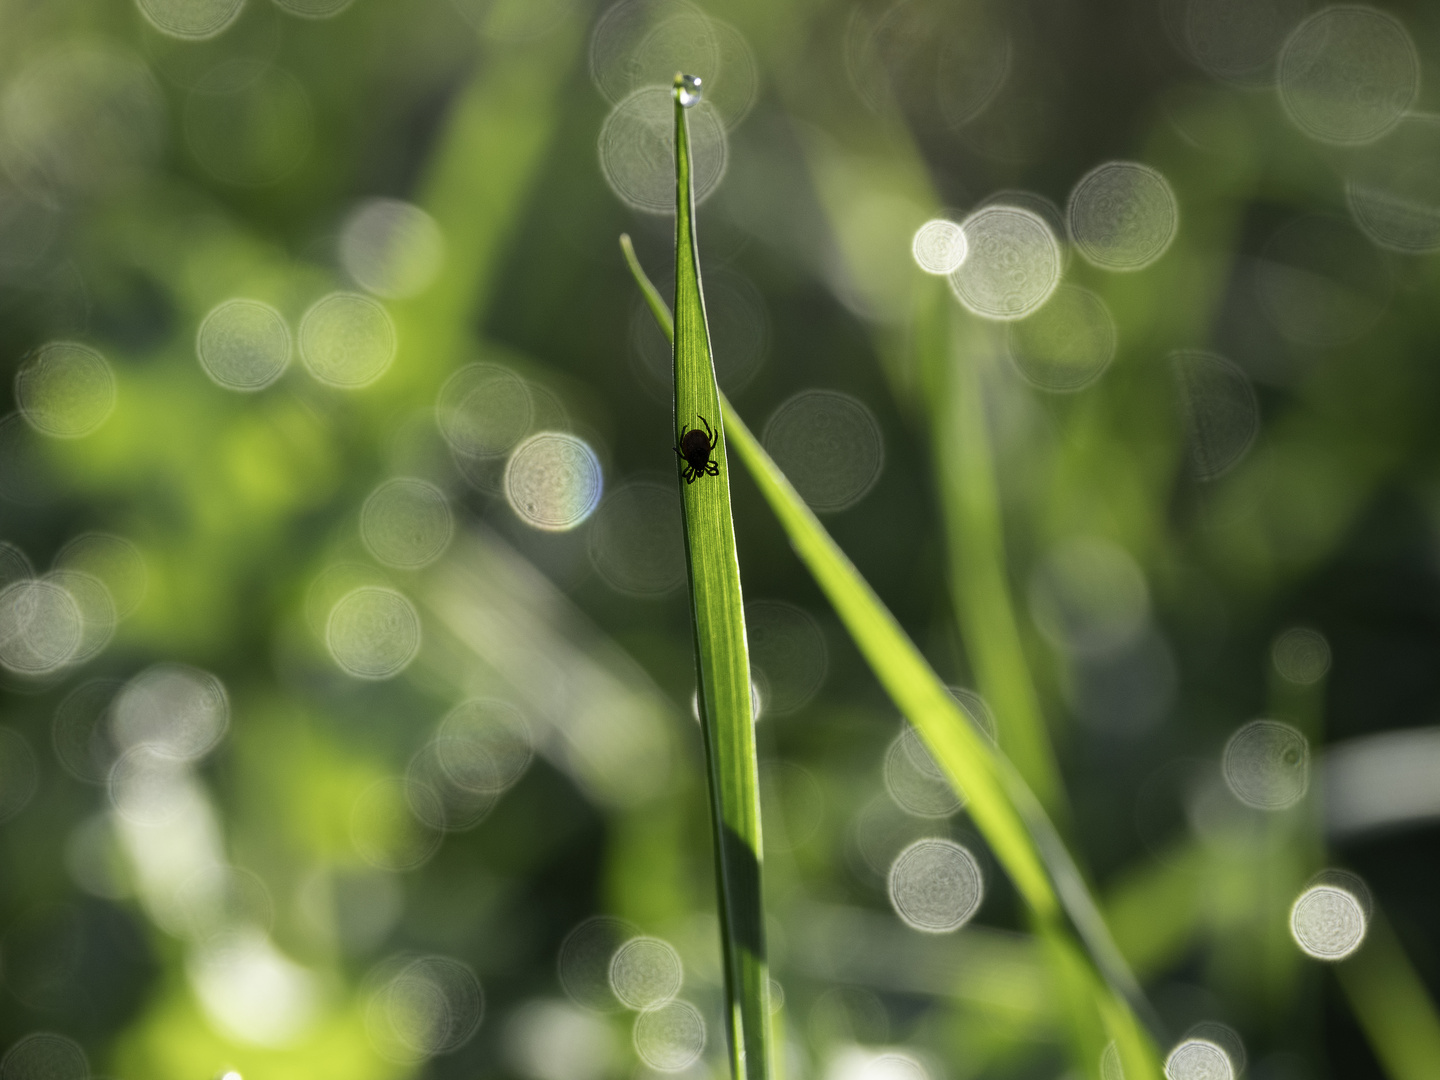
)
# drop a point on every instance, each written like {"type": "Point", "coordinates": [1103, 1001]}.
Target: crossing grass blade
{"type": "Point", "coordinates": [1001, 804]}
{"type": "Point", "coordinates": [720, 651]}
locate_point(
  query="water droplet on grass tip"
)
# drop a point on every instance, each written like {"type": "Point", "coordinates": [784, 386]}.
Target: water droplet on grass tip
{"type": "Point", "coordinates": [670, 1037]}
{"type": "Point", "coordinates": [829, 445]}
{"type": "Point", "coordinates": [939, 246]}
{"type": "Point", "coordinates": [687, 90]}
{"type": "Point", "coordinates": [65, 390]}
{"type": "Point", "coordinates": [1122, 215]}
{"type": "Point", "coordinates": [936, 886]}
{"type": "Point", "coordinates": [1348, 74]}
{"type": "Point", "coordinates": [1301, 655]}
{"type": "Point", "coordinates": [373, 632]}
{"type": "Point", "coordinates": [1328, 922]}
{"type": "Point", "coordinates": [1067, 344]}
{"type": "Point", "coordinates": [637, 541]}
{"type": "Point", "coordinates": [391, 248]}
{"type": "Point", "coordinates": [243, 345]}
{"type": "Point", "coordinates": [347, 340]}
{"type": "Point", "coordinates": [553, 481]}
{"type": "Point", "coordinates": [406, 523]}
{"type": "Point", "coordinates": [1012, 266]}
{"type": "Point", "coordinates": [1198, 1059]}
{"type": "Point", "coordinates": [645, 972]}
{"type": "Point", "coordinates": [19, 773]}
{"type": "Point", "coordinates": [45, 1055]}
{"type": "Point", "coordinates": [191, 20]}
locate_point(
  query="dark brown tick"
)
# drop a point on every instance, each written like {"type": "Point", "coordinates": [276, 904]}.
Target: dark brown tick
{"type": "Point", "coordinates": [695, 449]}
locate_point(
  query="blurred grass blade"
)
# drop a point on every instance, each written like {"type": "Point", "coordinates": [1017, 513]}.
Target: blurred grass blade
{"type": "Point", "coordinates": [1002, 805]}
{"type": "Point", "coordinates": [724, 666]}
{"type": "Point", "coordinates": [1392, 1004]}
{"type": "Point", "coordinates": [970, 500]}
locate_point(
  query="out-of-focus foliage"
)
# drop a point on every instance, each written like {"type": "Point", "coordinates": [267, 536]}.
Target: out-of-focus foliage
{"type": "Point", "coordinates": [347, 683]}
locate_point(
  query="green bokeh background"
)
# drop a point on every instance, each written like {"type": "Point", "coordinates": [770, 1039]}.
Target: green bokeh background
{"type": "Point", "coordinates": [239, 502]}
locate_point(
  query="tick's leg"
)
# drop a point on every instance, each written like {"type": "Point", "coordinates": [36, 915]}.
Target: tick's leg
{"type": "Point", "coordinates": [707, 430]}
{"type": "Point", "coordinates": [689, 475]}
{"type": "Point", "coordinates": [713, 468]}
{"type": "Point", "coordinates": [677, 453]}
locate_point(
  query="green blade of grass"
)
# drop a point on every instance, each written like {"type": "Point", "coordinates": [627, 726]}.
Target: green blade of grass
{"type": "Point", "coordinates": [724, 665]}
{"type": "Point", "coordinates": [1002, 805]}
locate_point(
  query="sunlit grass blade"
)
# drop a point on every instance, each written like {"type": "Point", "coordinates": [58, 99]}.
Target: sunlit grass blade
{"type": "Point", "coordinates": [719, 624]}
{"type": "Point", "coordinates": [1000, 802]}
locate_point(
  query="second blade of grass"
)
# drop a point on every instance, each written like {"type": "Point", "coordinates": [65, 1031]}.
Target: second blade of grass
{"type": "Point", "coordinates": [724, 666]}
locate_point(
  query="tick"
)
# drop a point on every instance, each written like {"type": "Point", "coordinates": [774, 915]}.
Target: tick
{"type": "Point", "coordinates": [694, 450]}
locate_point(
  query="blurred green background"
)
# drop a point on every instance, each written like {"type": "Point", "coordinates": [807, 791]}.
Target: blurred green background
{"type": "Point", "coordinates": [308, 773]}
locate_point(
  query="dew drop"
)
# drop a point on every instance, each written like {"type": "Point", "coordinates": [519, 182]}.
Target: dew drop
{"type": "Point", "coordinates": [687, 90]}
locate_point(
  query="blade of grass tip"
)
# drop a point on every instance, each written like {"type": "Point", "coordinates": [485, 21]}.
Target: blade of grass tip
{"type": "Point", "coordinates": [719, 623]}
{"type": "Point", "coordinates": [1003, 806]}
